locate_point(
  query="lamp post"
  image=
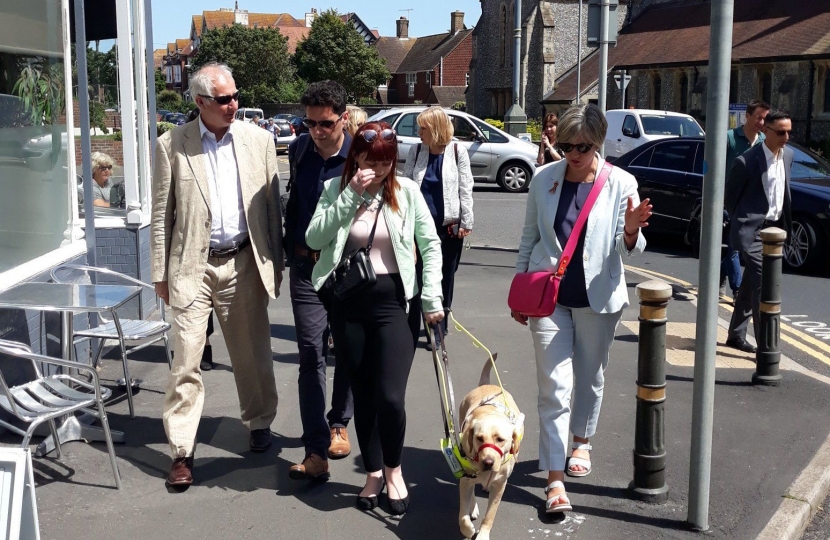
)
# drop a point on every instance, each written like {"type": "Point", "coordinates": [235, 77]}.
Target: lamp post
{"type": "Point", "coordinates": [515, 121]}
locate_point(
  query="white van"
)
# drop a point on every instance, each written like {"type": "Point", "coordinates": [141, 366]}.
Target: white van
{"type": "Point", "coordinates": [630, 128]}
{"type": "Point", "coordinates": [247, 115]}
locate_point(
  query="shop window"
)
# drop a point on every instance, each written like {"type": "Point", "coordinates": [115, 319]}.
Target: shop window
{"type": "Point", "coordinates": [684, 93]}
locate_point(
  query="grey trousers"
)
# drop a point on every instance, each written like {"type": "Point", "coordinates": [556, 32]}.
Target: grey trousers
{"type": "Point", "coordinates": [748, 301]}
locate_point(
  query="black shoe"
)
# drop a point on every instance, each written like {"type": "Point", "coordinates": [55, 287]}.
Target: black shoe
{"type": "Point", "coordinates": [370, 502]}
{"type": "Point", "coordinates": [398, 507]}
{"type": "Point", "coordinates": [260, 440]}
{"type": "Point", "coordinates": [207, 359]}
{"type": "Point", "coordinates": [742, 345]}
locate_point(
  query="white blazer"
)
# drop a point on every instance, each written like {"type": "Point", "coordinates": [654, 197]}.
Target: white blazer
{"type": "Point", "coordinates": [604, 245]}
{"type": "Point", "coordinates": [457, 179]}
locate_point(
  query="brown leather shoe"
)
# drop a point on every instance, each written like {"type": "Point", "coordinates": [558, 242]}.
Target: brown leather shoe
{"type": "Point", "coordinates": [181, 472]}
{"type": "Point", "coordinates": [340, 446]}
{"type": "Point", "coordinates": [313, 467]}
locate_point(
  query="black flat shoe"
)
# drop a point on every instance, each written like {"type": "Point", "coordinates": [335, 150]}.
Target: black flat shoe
{"type": "Point", "coordinates": [370, 502]}
{"type": "Point", "coordinates": [207, 359]}
{"type": "Point", "coordinates": [398, 507]}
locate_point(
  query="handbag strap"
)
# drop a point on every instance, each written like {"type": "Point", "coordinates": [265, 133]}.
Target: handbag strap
{"type": "Point", "coordinates": [573, 239]}
{"type": "Point", "coordinates": [375, 226]}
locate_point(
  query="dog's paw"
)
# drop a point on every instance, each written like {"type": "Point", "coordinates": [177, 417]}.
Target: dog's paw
{"type": "Point", "coordinates": [467, 527]}
{"type": "Point", "coordinates": [474, 513]}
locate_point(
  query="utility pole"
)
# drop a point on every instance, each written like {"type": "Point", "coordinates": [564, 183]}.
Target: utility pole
{"type": "Point", "coordinates": [516, 120]}
{"type": "Point", "coordinates": [714, 167]}
{"type": "Point", "coordinates": [579, 57]}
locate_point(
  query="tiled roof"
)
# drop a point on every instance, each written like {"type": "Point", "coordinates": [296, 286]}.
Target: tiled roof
{"type": "Point", "coordinates": [446, 96]}
{"type": "Point", "coordinates": [182, 43]}
{"type": "Point", "coordinates": [665, 35]}
{"type": "Point", "coordinates": [427, 51]}
{"type": "Point", "coordinates": [393, 50]}
{"type": "Point", "coordinates": [217, 19]}
{"type": "Point", "coordinates": [197, 25]}
{"type": "Point", "coordinates": [294, 34]}
{"type": "Point", "coordinates": [158, 58]}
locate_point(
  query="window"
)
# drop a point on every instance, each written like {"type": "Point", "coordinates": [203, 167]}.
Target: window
{"type": "Point", "coordinates": [808, 166]}
{"type": "Point", "coordinates": [656, 90]}
{"type": "Point", "coordinates": [683, 126]}
{"type": "Point", "coordinates": [168, 74]}
{"type": "Point", "coordinates": [826, 103]}
{"type": "Point", "coordinates": [177, 74]}
{"type": "Point", "coordinates": [630, 128]}
{"type": "Point", "coordinates": [733, 86]}
{"type": "Point", "coordinates": [410, 83]}
{"type": "Point", "coordinates": [429, 78]}
{"type": "Point", "coordinates": [391, 119]}
{"type": "Point", "coordinates": [35, 208]}
{"type": "Point", "coordinates": [684, 93]}
{"type": "Point", "coordinates": [490, 133]}
{"type": "Point", "coordinates": [643, 159]}
{"type": "Point", "coordinates": [765, 86]}
{"type": "Point", "coordinates": [463, 130]}
{"type": "Point", "coordinates": [674, 156]}
{"type": "Point", "coordinates": [408, 126]}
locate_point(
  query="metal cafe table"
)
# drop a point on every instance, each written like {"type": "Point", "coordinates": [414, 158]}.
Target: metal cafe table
{"type": "Point", "coordinates": [68, 299]}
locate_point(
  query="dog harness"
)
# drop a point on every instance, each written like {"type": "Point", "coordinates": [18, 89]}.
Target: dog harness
{"type": "Point", "coordinates": [501, 406]}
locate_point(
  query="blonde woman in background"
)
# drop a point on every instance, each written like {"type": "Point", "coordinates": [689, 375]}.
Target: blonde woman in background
{"type": "Point", "coordinates": [357, 117]}
{"type": "Point", "coordinates": [101, 172]}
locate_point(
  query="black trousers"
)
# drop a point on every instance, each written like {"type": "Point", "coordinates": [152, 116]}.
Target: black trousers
{"type": "Point", "coordinates": [748, 300]}
{"type": "Point", "coordinates": [373, 341]}
{"type": "Point", "coordinates": [451, 247]}
{"type": "Point", "coordinates": [310, 320]}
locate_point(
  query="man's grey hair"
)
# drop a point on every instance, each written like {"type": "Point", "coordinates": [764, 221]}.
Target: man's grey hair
{"type": "Point", "coordinates": [585, 120]}
{"type": "Point", "coordinates": [204, 81]}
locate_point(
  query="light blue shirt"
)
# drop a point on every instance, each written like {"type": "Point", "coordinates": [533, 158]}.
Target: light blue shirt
{"type": "Point", "coordinates": [228, 225]}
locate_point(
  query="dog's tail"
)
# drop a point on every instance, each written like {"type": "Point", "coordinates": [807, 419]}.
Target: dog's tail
{"type": "Point", "coordinates": [485, 371]}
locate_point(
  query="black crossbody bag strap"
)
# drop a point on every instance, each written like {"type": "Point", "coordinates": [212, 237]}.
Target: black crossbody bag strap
{"type": "Point", "coordinates": [375, 226]}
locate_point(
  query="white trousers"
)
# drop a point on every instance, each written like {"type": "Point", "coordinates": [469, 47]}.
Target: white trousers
{"type": "Point", "coordinates": [572, 350]}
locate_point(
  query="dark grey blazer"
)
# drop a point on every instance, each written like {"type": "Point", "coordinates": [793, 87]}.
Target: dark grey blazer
{"type": "Point", "coordinates": [745, 198]}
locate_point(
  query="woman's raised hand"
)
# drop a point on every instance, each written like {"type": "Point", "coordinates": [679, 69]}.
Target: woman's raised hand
{"type": "Point", "coordinates": [636, 217]}
{"type": "Point", "coordinates": [361, 180]}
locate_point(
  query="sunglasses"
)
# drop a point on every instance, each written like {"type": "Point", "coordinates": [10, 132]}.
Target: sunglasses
{"type": "Point", "coordinates": [582, 148]}
{"type": "Point", "coordinates": [223, 100]}
{"type": "Point", "coordinates": [370, 135]}
{"type": "Point", "coordinates": [105, 168]}
{"type": "Point", "coordinates": [325, 124]}
{"type": "Point", "coordinates": [780, 132]}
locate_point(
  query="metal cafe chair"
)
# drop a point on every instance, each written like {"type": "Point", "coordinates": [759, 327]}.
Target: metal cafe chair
{"type": "Point", "coordinates": [141, 333]}
{"type": "Point", "coordinates": [48, 397]}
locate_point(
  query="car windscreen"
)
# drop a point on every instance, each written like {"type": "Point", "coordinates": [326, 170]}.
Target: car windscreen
{"type": "Point", "coordinates": [654, 124]}
{"type": "Point", "coordinates": [489, 132]}
{"type": "Point", "coordinates": [809, 166]}
{"type": "Point", "coordinates": [251, 114]}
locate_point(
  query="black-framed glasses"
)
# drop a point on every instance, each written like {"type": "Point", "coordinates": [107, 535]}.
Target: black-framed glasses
{"type": "Point", "coordinates": [325, 124]}
{"type": "Point", "coordinates": [370, 135]}
{"type": "Point", "coordinates": [105, 168]}
{"type": "Point", "coordinates": [223, 100]}
{"type": "Point", "coordinates": [582, 148]}
{"type": "Point", "coordinates": [780, 132]}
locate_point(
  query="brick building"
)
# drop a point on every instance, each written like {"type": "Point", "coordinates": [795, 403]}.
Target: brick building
{"type": "Point", "coordinates": [418, 65]}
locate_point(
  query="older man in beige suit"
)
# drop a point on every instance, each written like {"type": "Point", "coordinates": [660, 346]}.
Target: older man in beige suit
{"type": "Point", "coordinates": [216, 243]}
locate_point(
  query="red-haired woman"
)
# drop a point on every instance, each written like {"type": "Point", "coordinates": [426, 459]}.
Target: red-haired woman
{"type": "Point", "coordinates": [372, 339]}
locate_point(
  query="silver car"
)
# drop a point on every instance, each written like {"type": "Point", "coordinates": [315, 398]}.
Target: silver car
{"type": "Point", "coordinates": [495, 156]}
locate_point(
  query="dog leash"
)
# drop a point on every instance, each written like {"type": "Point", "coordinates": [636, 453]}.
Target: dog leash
{"type": "Point", "coordinates": [478, 344]}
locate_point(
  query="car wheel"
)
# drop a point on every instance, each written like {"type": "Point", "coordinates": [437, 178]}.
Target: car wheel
{"type": "Point", "coordinates": [801, 250]}
{"type": "Point", "coordinates": [514, 177]}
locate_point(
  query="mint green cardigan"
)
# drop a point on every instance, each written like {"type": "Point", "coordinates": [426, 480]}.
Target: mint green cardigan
{"type": "Point", "coordinates": [332, 220]}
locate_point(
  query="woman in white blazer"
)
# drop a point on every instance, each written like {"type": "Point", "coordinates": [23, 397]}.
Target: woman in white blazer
{"type": "Point", "coordinates": [441, 167]}
{"type": "Point", "coordinates": [572, 345]}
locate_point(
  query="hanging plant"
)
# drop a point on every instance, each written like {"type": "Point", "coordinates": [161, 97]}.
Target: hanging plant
{"type": "Point", "coordinates": [40, 88]}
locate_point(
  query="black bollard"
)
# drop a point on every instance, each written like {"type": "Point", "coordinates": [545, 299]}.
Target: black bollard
{"type": "Point", "coordinates": [649, 482]}
{"type": "Point", "coordinates": [768, 355]}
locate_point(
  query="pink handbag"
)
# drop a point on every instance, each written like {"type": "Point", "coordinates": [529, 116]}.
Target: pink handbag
{"type": "Point", "coordinates": [534, 294]}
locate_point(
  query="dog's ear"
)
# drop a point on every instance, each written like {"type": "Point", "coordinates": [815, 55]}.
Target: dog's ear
{"type": "Point", "coordinates": [464, 441]}
{"type": "Point", "coordinates": [518, 433]}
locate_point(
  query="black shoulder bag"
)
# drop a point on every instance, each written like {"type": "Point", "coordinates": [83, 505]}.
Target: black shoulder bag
{"type": "Point", "coordinates": [355, 273]}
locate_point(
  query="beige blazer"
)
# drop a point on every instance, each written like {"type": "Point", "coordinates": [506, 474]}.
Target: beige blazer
{"type": "Point", "coordinates": [180, 228]}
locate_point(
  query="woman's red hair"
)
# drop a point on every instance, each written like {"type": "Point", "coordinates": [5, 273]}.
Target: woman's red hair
{"type": "Point", "coordinates": [377, 150]}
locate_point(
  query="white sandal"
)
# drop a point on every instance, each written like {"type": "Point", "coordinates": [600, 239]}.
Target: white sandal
{"type": "Point", "coordinates": [550, 508]}
{"type": "Point", "coordinates": [577, 461]}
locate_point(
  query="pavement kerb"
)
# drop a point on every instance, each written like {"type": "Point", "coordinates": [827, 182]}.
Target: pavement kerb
{"type": "Point", "coordinates": [802, 499]}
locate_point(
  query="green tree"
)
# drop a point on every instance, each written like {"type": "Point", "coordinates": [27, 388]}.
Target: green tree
{"type": "Point", "coordinates": [161, 83]}
{"type": "Point", "coordinates": [334, 50]}
{"type": "Point", "coordinates": [102, 72]}
{"type": "Point", "coordinates": [258, 58]}
{"type": "Point", "coordinates": [169, 100]}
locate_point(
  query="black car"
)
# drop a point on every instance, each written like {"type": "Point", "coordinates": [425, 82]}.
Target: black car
{"type": "Point", "coordinates": [670, 173]}
{"type": "Point", "coordinates": [175, 118]}
{"type": "Point", "coordinates": [297, 123]}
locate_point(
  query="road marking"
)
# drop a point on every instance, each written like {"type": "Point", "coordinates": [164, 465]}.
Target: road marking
{"type": "Point", "coordinates": [802, 336]}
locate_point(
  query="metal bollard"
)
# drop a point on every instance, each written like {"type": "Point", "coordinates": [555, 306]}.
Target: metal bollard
{"type": "Point", "coordinates": [768, 355]}
{"type": "Point", "coordinates": [649, 482]}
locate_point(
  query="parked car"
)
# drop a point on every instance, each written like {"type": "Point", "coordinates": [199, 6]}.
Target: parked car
{"type": "Point", "coordinates": [160, 114]}
{"type": "Point", "coordinates": [285, 134]}
{"type": "Point", "coordinates": [297, 124]}
{"type": "Point", "coordinates": [285, 116]}
{"type": "Point", "coordinates": [247, 114]}
{"type": "Point", "coordinates": [630, 128]}
{"type": "Point", "coordinates": [670, 173]}
{"type": "Point", "coordinates": [495, 156]}
{"type": "Point", "coordinates": [175, 118]}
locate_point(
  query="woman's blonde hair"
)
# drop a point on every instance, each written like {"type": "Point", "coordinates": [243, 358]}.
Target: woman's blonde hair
{"type": "Point", "coordinates": [437, 122]}
{"type": "Point", "coordinates": [585, 120]}
{"type": "Point", "coordinates": [357, 117]}
{"type": "Point", "coordinates": [100, 159]}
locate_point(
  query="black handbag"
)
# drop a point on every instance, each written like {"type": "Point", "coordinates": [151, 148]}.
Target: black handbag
{"type": "Point", "coordinates": [355, 272]}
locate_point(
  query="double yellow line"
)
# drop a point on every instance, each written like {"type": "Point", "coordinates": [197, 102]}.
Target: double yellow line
{"type": "Point", "coordinates": [797, 338]}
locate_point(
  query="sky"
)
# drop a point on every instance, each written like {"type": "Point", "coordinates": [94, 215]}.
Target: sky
{"type": "Point", "coordinates": [171, 20]}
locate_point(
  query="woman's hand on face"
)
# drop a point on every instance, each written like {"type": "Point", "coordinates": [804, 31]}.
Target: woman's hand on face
{"type": "Point", "coordinates": [361, 179]}
{"type": "Point", "coordinates": [462, 233]}
{"type": "Point", "coordinates": [637, 217]}
{"type": "Point", "coordinates": [518, 317]}
{"type": "Point", "coordinates": [434, 317]}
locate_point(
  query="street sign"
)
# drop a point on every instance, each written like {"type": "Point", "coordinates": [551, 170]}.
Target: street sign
{"type": "Point", "coordinates": [625, 82]}
{"type": "Point", "coordinates": [594, 22]}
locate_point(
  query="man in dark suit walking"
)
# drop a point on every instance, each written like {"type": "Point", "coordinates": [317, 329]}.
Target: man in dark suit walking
{"type": "Point", "coordinates": [757, 196]}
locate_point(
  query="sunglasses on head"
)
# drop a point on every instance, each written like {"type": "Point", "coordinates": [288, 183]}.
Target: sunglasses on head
{"type": "Point", "coordinates": [582, 148]}
{"type": "Point", "coordinates": [325, 124]}
{"type": "Point", "coordinates": [780, 132]}
{"type": "Point", "coordinates": [370, 135]}
{"type": "Point", "coordinates": [223, 100]}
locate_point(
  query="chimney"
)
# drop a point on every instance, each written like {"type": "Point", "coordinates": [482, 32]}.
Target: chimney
{"type": "Point", "coordinates": [456, 22]}
{"type": "Point", "coordinates": [240, 16]}
{"type": "Point", "coordinates": [403, 28]}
